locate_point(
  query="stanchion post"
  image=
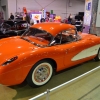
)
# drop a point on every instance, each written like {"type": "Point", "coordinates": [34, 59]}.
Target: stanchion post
{"type": "Point", "coordinates": [47, 97]}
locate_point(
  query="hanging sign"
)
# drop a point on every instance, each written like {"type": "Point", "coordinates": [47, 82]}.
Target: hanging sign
{"type": "Point", "coordinates": [88, 11]}
{"type": "Point", "coordinates": [43, 13]}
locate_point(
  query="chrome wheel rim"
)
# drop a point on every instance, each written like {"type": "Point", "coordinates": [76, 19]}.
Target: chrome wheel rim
{"type": "Point", "coordinates": [42, 73]}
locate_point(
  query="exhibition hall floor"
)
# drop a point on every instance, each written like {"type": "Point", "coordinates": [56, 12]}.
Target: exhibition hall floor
{"type": "Point", "coordinates": [85, 88]}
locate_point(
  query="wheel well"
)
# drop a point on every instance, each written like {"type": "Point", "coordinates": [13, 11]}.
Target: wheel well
{"type": "Point", "coordinates": [53, 62]}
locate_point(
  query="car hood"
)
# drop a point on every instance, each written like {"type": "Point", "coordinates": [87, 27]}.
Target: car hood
{"type": "Point", "coordinates": [13, 46]}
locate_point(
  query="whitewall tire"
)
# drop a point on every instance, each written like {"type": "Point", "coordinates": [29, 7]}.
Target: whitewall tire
{"type": "Point", "coordinates": [40, 73]}
{"type": "Point", "coordinates": [97, 58]}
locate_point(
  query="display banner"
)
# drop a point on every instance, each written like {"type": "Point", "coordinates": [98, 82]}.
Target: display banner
{"type": "Point", "coordinates": [43, 13]}
{"type": "Point", "coordinates": [88, 12]}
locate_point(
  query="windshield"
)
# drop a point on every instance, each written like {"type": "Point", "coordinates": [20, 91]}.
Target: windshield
{"type": "Point", "coordinates": [37, 37]}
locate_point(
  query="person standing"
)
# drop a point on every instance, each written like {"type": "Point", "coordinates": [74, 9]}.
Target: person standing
{"type": "Point", "coordinates": [27, 18]}
{"type": "Point", "coordinates": [11, 16]}
{"type": "Point", "coordinates": [70, 19]}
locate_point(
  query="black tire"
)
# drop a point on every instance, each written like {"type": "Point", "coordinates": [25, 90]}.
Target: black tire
{"type": "Point", "coordinates": [97, 58]}
{"type": "Point", "coordinates": [40, 73]}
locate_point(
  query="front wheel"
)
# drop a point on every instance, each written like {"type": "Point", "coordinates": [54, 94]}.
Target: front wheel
{"type": "Point", "coordinates": [97, 58]}
{"type": "Point", "coordinates": [40, 73]}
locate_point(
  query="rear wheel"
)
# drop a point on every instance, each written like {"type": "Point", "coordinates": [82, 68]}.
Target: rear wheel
{"type": "Point", "coordinates": [40, 74]}
{"type": "Point", "coordinates": [97, 58]}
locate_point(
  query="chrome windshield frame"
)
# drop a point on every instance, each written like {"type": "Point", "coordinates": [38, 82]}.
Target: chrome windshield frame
{"type": "Point", "coordinates": [32, 42]}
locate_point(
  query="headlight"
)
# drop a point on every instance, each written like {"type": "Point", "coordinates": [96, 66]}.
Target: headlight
{"type": "Point", "coordinates": [9, 61]}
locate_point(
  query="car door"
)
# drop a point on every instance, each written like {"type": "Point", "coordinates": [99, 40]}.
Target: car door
{"type": "Point", "coordinates": [80, 51]}
{"type": "Point", "coordinates": [73, 53]}
{"type": "Point", "coordinates": [76, 51]}
{"type": "Point", "coordinates": [69, 46]}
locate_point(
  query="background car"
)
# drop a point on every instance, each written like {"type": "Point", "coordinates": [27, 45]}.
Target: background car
{"type": "Point", "coordinates": [13, 28]}
{"type": "Point", "coordinates": [43, 50]}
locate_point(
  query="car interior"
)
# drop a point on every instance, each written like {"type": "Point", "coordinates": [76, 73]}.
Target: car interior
{"type": "Point", "coordinates": [65, 36]}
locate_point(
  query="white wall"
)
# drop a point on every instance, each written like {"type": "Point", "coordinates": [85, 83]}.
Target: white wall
{"type": "Point", "coordinates": [0, 5]}
{"type": "Point", "coordinates": [3, 2]}
{"type": "Point", "coordinates": [11, 7]}
{"type": "Point", "coordinates": [59, 7]}
{"type": "Point", "coordinates": [4, 8]}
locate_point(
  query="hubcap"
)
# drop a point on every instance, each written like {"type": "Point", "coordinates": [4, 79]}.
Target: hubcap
{"type": "Point", "coordinates": [42, 73]}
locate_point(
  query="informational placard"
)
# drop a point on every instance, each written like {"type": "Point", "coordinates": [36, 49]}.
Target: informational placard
{"type": "Point", "coordinates": [88, 10]}
{"type": "Point", "coordinates": [36, 16]}
{"type": "Point", "coordinates": [98, 15]}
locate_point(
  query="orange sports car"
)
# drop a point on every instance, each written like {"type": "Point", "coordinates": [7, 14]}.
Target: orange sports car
{"type": "Point", "coordinates": [44, 49]}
